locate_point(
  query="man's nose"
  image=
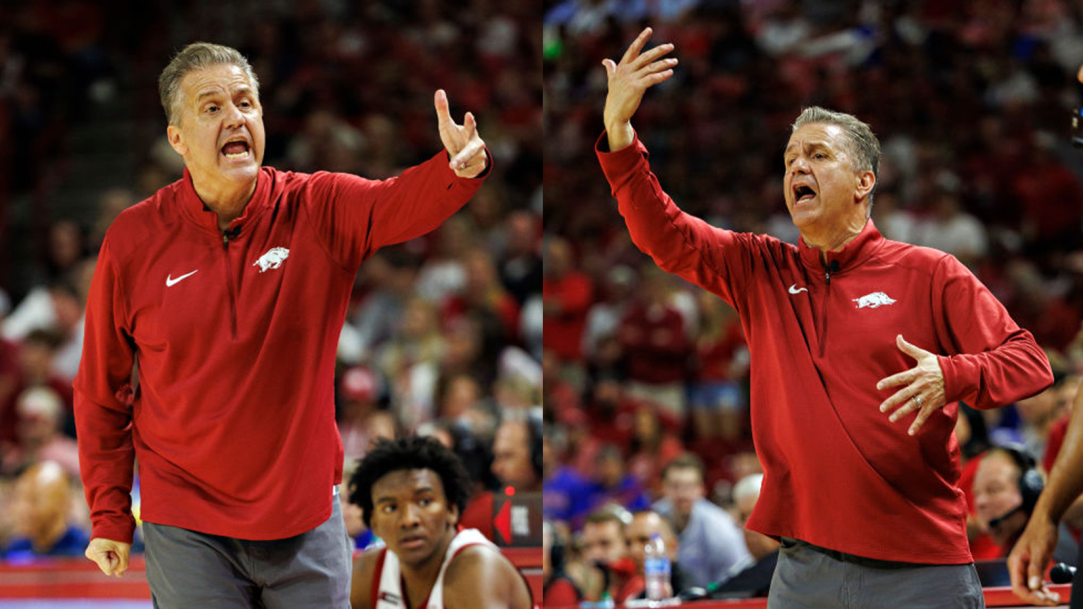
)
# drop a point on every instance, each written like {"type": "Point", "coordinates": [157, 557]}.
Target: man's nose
{"type": "Point", "coordinates": [410, 516]}
{"type": "Point", "coordinates": [233, 116]}
{"type": "Point", "coordinates": [799, 165]}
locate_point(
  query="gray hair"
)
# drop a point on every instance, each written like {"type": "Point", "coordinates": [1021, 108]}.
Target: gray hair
{"type": "Point", "coordinates": [862, 145]}
{"type": "Point", "coordinates": [197, 56]}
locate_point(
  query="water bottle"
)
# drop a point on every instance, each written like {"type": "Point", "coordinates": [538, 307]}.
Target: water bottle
{"type": "Point", "coordinates": [656, 569]}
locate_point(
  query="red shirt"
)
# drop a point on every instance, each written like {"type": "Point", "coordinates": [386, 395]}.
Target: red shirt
{"type": "Point", "coordinates": [563, 331]}
{"type": "Point", "coordinates": [837, 473]}
{"type": "Point", "coordinates": [655, 344]}
{"type": "Point", "coordinates": [233, 419]}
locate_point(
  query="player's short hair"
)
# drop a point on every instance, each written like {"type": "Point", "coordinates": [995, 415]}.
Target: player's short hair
{"type": "Point", "coordinates": [410, 452]}
{"type": "Point", "coordinates": [197, 56]}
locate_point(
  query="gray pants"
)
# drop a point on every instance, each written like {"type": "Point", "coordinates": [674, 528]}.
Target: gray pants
{"type": "Point", "coordinates": [808, 579]}
{"type": "Point", "coordinates": [187, 569]}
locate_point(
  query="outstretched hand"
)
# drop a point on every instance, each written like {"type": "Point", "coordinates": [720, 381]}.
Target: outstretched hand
{"type": "Point", "coordinates": [464, 145]}
{"type": "Point", "coordinates": [923, 389]}
{"type": "Point", "coordinates": [628, 81]}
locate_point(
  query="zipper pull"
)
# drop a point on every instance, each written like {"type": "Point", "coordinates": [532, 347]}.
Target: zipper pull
{"type": "Point", "coordinates": [831, 268]}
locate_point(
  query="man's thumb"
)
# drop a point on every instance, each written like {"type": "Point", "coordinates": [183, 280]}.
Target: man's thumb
{"type": "Point", "coordinates": [610, 66]}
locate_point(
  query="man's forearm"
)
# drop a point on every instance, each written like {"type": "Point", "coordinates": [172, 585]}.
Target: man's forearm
{"type": "Point", "coordinates": [106, 462]}
{"type": "Point", "coordinates": [620, 135]}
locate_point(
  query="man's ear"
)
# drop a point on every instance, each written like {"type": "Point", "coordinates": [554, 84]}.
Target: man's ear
{"type": "Point", "coordinates": [176, 140]}
{"type": "Point", "coordinates": [866, 181]}
{"type": "Point", "coordinates": [453, 516]}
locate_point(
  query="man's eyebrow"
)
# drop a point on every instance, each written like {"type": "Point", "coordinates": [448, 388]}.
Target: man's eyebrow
{"type": "Point", "coordinates": [418, 491]}
{"type": "Point", "coordinates": [241, 90]}
{"type": "Point", "coordinates": [814, 145]}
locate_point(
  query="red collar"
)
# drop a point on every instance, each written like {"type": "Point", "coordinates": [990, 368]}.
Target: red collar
{"type": "Point", "coordinates": [861, 248]}
{"type": "Point", "coordinates": [198, 212]}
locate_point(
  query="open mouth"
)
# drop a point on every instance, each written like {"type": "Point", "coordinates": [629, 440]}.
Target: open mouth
{"type": "Point", "coordinates": [803, 193]}
{"type": "Point", "coordinates": [236, 149]}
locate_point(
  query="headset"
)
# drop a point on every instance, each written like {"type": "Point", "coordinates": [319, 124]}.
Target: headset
{"type": "Point", "coordinates": [535, 429]}
{"type": "Point", "coordinates": [1030, 481]}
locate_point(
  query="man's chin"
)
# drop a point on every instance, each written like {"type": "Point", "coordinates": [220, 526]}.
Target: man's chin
{"type": "Point", "coordinates": [239, 173]}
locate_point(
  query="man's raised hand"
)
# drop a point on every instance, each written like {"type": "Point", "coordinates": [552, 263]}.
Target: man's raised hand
{"type": "Point", "coordinates": [628, 81]}
{"type": "Point", "coordinates": [462, 142]}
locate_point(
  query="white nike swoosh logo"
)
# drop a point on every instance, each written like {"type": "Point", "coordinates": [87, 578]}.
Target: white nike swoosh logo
{"type": "Point", "coordinates": [796, 290]}
{"type": "Point", "coordinates": [170, 282]}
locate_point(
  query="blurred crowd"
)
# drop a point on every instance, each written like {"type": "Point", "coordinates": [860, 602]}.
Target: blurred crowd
{"type": "Point", "coordinates": [972, 102]}
{"type": "Point", "coordinates": [443, 335]}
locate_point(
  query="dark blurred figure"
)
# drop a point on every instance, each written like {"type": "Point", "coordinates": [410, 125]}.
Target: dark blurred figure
{"type": "Point", "coordinates": [517, 453]}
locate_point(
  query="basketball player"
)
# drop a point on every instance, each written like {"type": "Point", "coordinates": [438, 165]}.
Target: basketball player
{"type": "Point", "coordinates": [412, 491]}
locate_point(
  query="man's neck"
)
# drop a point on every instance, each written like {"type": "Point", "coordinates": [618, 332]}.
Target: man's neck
{"type": "Point", "coordinates": [228, 200]}
{"type": "Point", "coordinates": [419, 579]}
{"type": "Point", "coordinates": [831, 240]}
{"type": "Point", "coordinates": [681, 520]}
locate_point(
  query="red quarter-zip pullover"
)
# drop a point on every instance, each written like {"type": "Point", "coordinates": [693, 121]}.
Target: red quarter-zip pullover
{"type": "Point", "coordinates": [837, 473]}
{"type": "Point", "coordinates": [234, 337]}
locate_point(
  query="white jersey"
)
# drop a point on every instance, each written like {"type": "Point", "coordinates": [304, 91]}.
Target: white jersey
{"type": "Point", "coordinates": [389, 595]}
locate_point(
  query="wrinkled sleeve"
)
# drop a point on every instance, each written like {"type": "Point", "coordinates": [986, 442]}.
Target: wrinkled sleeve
{"type": "Point", "coordinates": [990, 361]}
{"type": "Point", "coordinates": [715, 259]}
{"type": "Point", "coordinates": [353, 216]}
{"type": "Point", "coordinates": [103, 405]}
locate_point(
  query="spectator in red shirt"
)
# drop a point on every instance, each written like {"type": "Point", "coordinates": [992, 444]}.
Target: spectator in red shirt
{"type": "Point", "coordinates": [656, 346]}
{"type": "Point", "coordinates": [567, 295]}
{"type": "Point", "coordinates": [718, 398]}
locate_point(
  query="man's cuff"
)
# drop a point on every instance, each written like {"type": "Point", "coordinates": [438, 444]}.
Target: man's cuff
{"type": "Point", "coordinates": [115, 529]}
{"type": "Point", "coordinates": [623, 160]}
{"type": "Point", "coordinates": [956, 386]}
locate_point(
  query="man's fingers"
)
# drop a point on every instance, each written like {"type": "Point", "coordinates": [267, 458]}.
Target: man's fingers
{"type": "Point", "coordinates": [464, 156]}
{"type": "Point", "coordinates": [654, 79]}
{"type": "Point", "coordinates": [636, 45]}
{"type": "Point", "coordinates": [470, 124]}
{"type": "Point", "coordinates": [650, 55]}
{"type": "Point", "coordinates": [909, 349]}
{"type": "Point", "coordinates": [904, 400]}
{"type": "Point", "coordinates": [923, 415]}
{"type": "Point", "coordinates": [656, 67]}
{"type": "Point", "coordinates": [610, 67]}
{"type": "Point", "coordinates": [443, 112]}
{"type": "Point", "coordinates": [901, 378]}
{"type": "Point", "coordinates": [1017, 573]}
{"type": "Point", "coordinates": [104, 563]}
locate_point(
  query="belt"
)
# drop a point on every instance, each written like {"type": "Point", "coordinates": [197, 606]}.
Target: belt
{"type": "Point", "coordinates": [872, 563]}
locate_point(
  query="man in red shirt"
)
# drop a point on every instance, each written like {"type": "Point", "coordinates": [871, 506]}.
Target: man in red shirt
{"type": "Point", "coordinates": [227, 291]}
{"type": "Point", "coordinates": [865, 508]}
